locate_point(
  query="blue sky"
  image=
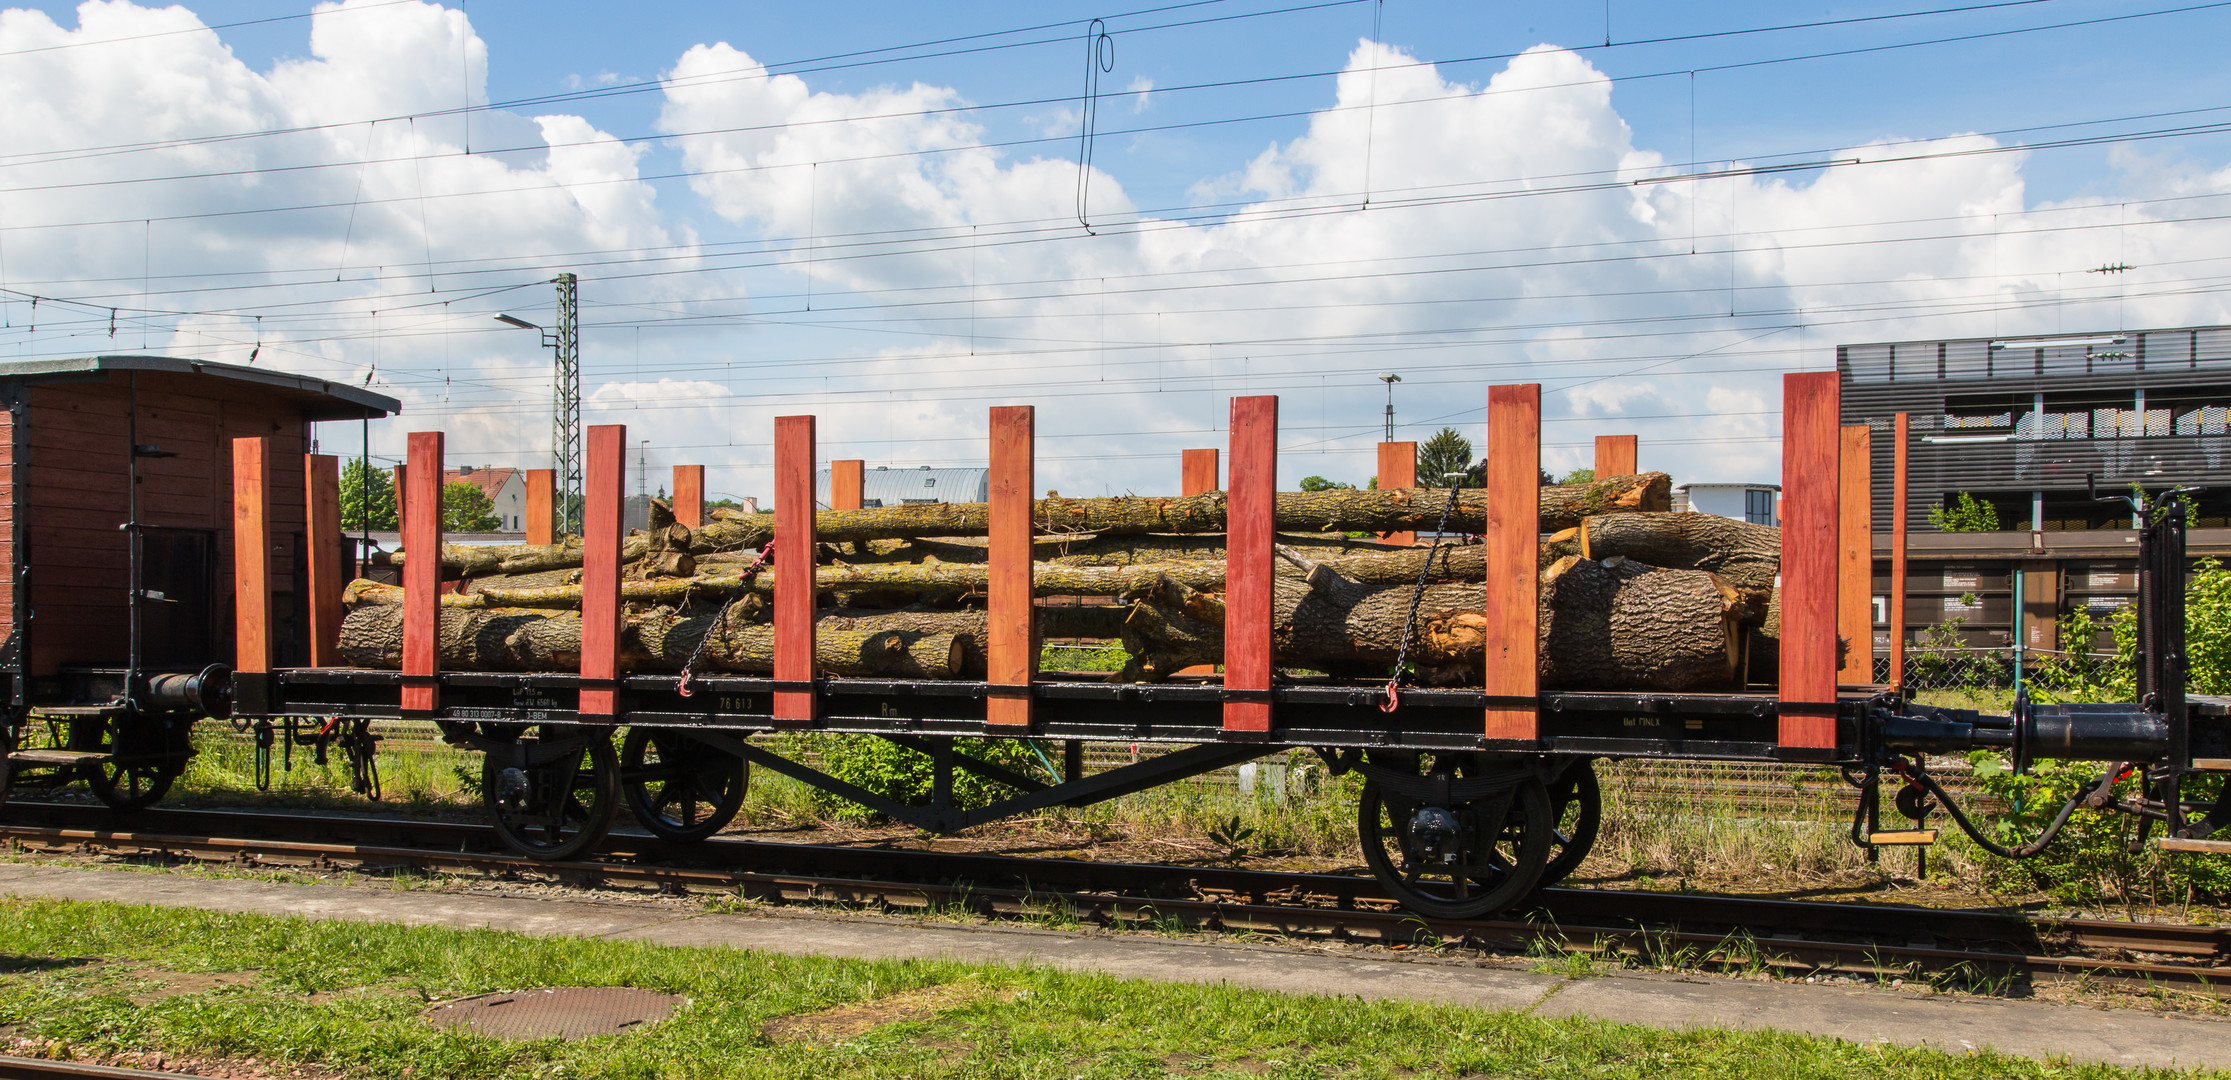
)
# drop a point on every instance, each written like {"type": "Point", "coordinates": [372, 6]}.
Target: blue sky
{"type": "Point", "coordinates": [1237, 116]}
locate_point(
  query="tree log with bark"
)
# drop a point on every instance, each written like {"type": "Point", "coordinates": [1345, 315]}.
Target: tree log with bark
{"type": "Point", "coordinates": [1561, 506]}
{"type": "Point", "coordinates": [1745, 556]}
{"type": "Point", "coordinates": [1620, 625]}
{"type": "Point", "coordinates": [657, 640]}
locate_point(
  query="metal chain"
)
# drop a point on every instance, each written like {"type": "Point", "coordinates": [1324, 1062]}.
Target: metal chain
{"type": "Point", "coordinates": [681, 684]}
{"type": "Point", "coordinates": [1410, 625]}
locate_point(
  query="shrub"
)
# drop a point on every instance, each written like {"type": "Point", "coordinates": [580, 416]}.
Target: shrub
{"type": "Point", "coordinates": [1966, 514]}
{"type": "Point", "coordinates": [906, 776]}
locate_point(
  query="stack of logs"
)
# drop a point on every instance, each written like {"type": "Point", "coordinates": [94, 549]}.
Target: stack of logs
{"type": "Point", "coordinates": [1631, 597]}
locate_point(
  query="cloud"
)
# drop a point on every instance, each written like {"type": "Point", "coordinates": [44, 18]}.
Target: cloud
{"type": "Point", "coordinates": [1141, 90]}
{"type": "Point", "coordinates": [341, 245]}
{"type": "Point", "coordinates": [1459, 233]}
{"type": "Point", "coordinates": [908, 274]}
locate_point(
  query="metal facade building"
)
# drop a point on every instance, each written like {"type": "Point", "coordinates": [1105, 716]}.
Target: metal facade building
{"type": "Point", "coordinates": [886, 486]}
{"type": "Point", "coordinates": [2023, 421]}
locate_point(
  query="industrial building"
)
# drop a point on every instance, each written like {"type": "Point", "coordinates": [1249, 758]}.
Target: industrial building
{"type": "Point", "coordinates": [2026, 426]}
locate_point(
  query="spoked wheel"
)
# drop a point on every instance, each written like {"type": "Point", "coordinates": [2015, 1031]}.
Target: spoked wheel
{"type": "Point", "coordinates": [554, 796]}
{"type": "Point", "coordinates": [1578, 809]}
{"type": "Point", "coordinates": [145, 756]}
{"type": "Point", "coordinates": [680, 787]}
{"type": "Point", "coordinates": [1474, 853]}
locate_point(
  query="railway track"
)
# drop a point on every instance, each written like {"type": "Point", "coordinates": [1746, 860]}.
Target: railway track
{"type": "Point", "coordinates": [23, 1068]}
{"type": "Point", "coordinates": [1704, 931]}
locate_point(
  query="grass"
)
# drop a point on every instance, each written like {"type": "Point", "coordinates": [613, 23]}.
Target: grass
{"type": "Point", "coordinates": [100, 979]}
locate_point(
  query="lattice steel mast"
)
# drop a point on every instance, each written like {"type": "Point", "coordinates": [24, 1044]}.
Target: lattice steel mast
{"type": "Point", "coordinates": [565, 417]}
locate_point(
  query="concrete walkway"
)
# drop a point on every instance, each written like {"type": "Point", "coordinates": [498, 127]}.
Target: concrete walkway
{"type": "Point", "coordinates": [2121, 1037]}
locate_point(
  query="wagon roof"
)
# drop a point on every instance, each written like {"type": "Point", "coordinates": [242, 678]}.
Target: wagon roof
{"type": "Point", "coordinates": [320, 399]}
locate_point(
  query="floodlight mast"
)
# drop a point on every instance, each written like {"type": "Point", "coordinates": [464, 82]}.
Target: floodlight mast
{"type": "Point", "coordinates": [565, 402]}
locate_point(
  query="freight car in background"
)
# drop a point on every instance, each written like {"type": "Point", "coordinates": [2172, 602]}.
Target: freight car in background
{"type": "Point", "coordinates": [1474, 795]}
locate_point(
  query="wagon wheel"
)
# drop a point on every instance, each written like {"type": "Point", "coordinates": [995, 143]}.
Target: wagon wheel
{"type": "Point", "coordinates": [681, 788]}
{"type": "Point", "coordinates": [1460, 861]}
{"type": "Point", "coordinates": [1578, 809]}
{"type": "Point", "coordinates": [552, 797]}
{"type": "Point", "coordinates": [145, 757]}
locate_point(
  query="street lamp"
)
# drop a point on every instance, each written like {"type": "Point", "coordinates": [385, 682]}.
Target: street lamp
{"type": "Point", "coordinates": [1390, 378]}
{"type": "Point", "coordinates": [565, 418]}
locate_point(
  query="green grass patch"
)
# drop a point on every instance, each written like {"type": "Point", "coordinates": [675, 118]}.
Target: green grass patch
{"type": "Point", "coordinates": [346, 997]}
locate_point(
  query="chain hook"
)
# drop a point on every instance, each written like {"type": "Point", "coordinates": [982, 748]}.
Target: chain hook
{"type": "Point", "coordinates": [681, 682]}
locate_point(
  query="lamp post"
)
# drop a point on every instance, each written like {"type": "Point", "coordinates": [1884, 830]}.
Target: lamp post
{"type": "Point", "coordinates": [565, 401]}
{"type": "Point", "coordinates": [1390, 378]}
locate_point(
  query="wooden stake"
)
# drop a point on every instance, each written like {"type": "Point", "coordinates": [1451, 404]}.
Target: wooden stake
{"type": "Point", "coordinates": [421, 507]}
{"type": "Point", "coordinates": [846, 483]}
{"type": "Point", "coordinates": [600, 568]}
{"type": "Point", "coordinates": [1615, 455]}
{"type": "Point", "coordinates": [541, 514]}
{"type": "Point", "coordinates": [1398, 468]}
{"type": "Point", "coordinates": [321, 476]}
{"type": "Point", "coordinates": [1514, 465]}
{"type": "Point", "coordinates": [795, 698]}
{"type": "Point", "coordinates": [1250, 525]}
{"type": "Point", "coordinates": [689, 495]}
{"type": "Point", "coordinates": [1810, 474]}
{"type": "Point", "coordinates": [1898, 430]}
{"type": "Point", "coordinates": [1199, 472]}
{"type": "Point", "coordinates": [251, 554]}
{"type": "Point", "coordinates": [1855, 557]}
{"type": "Point", "coordinates": [1010, 646]}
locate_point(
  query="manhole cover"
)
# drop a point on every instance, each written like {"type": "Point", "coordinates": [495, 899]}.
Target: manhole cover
{"type": "Point", "coordinates": [565, 1012]}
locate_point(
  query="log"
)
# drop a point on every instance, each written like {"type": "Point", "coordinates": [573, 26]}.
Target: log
{"type": "Point", "coordinates": [1116, 550]}
{"type": "Point", "coordinates": [656, 641]}
{"type": "Point", "coordinates": [1617, 626]}
{"type": "Point", "coordinates": [1563, 506]}
{"type": "Point", "coordinates": [1744, 556]}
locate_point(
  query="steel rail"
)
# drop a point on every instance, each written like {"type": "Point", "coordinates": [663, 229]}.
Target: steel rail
{"type": "Point", "coordinates": [23, 1068]}
{"type": "Point", "coordinates": [1776, 932]}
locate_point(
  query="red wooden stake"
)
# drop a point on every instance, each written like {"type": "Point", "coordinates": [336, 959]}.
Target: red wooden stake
{"type": "Point", "coordinates": [600, 569]}
{"type": "Point", "coordinates": [251, 554]}
{"type": "Point", "coordinates": [1898, 550]}
{"type": "Point", "coordinates": [1514, 465]}
{"type": "Point", "coordinates": [689, 495]}
{"type": "Point", "coordinates": [1615, 455]}
{"type": "Point", "coordinates": [321, 475]}
{"type": "Point", "coordinates": [845, 484]}
{"type": "Point", "coordinates": [1398, 468]}
{"type": "Point", "coordinates": [1197, 476]}
{"type": "Point", "coordinates": [1855, 556]}
{"type": "Point", "coordinates": [1011, 640]}
{"type": "Point", "coordinates": [794, 562]}
{"type": "Point", "coordinates": [1810, 472]}
{"type": "Point", "coordinates": [421, 508]}
{"type": "Point", "coordinates": [541, 515]}
{"type": "Point", "coordinates": [1251, 517]}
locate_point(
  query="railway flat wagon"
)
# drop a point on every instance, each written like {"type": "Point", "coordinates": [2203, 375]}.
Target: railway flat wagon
{"type": "Point", "coordinates": [117, 533]}
{"type": "Point", "coordinates": [1477, 790]}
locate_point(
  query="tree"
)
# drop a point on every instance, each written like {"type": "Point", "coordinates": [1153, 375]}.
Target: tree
{"type": "Point", "coordinates": [1579, 476]}
{"type": "Point", "coordinates": [1446, 452]}
{"type": "Point", "coordinates": [1319, 483]}
{"type": "Point", "coordinates": [363, 485]}
{"type": "Point", "coordinates": [1966, 514]}
{"type": "Point", "coordinates": [466, 508]}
